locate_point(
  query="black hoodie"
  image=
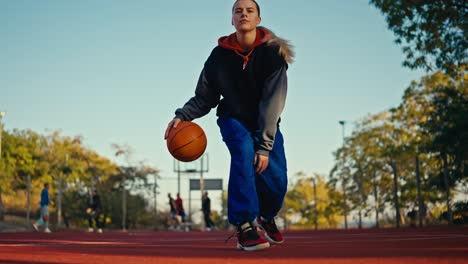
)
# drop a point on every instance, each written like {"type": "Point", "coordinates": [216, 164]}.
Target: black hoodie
{"type": "Point", "coordinates": [249, 86]}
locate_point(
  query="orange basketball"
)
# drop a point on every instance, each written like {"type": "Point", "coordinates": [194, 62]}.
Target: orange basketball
{"type": "Point", "coordinates": [186, 142]}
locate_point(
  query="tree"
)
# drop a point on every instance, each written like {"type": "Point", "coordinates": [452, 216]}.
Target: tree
{"type": "Point", "coordinates": [22, 157]}
{"type": "Point", "coordinates": [448, 126]}
{"type": "Point", "coordinates": [379, 149]}
{"type": "Point", "coordinates": [432, 32]}
{"type": "Point", "coordinates": [340, 178]}
{"type": "Point", "coordinates": [434, 111]}
{"type": "Point", "coordinates": [362, 170]}
{"type": "Point", "coordinates": [300, 200]}
{"type": "Point", "coordinates": [73, 170]}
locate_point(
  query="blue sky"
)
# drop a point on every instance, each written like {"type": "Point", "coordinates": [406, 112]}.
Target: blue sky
{"type": "Point", "coordinates": [115, 71]}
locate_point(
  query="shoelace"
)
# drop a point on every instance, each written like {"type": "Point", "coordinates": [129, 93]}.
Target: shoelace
{"type": "Point", "coordinates": [271, 226]}
{"type": "Point", "coordinates": [231, 236]}
{"type": "Point", "coordinates": [238, 232]}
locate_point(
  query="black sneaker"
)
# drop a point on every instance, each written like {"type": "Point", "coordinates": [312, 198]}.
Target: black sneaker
{"type": "Point", "coordinates": [248, 238]}
{"type": "Point", "coordinates": [270, 229]}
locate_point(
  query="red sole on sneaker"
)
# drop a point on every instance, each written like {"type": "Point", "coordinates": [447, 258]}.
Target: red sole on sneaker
{"type": "Point", "coordinates": [271, 240]}
{"type": "Point", "coordinates": [267, 236]}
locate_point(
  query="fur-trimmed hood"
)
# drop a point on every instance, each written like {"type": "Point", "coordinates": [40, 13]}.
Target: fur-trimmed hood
{"type": "Point", "coordinates": [286, 49]}
{"type": "Point", "coordinates": [263, 35]}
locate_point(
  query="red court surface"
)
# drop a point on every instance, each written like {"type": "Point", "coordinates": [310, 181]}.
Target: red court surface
{"type": "Point", "coordinates": [428, 245]}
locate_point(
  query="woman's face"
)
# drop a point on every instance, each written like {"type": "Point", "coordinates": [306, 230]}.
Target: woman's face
{"type": "Point", "coordinates": [245, 16]}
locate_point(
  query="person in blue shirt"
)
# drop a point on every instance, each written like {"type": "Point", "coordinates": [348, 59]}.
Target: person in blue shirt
{"type": "Point", "coordinates": [44, 217]}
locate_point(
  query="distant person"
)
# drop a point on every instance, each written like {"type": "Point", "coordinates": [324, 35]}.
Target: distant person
{"type": "Point", "coordinates": [94, 213]}
{"type": "Point", "coordinates": [44, 208]}
{"type": "Point", "coordinates": [180, 208]}
{"type": "Point", "coordinates": [206, 208]}
{"type": "Point", "coordinates": [424, 213]}
{"type": "Point", "coordinates": [173, 222]}
{"type": "Point", "coordinates": [412, 217]}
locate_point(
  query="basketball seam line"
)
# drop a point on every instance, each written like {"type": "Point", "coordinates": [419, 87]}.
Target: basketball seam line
{"type": "Point", "coordinates": [172, 138]}
{"type": "Point", "coordinates": [188, 143]}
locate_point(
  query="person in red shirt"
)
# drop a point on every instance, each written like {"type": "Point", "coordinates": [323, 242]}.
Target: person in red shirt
{"type": "Point", "coordinates": [180, 208]}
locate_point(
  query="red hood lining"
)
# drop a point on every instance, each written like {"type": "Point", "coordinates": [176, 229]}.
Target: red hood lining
{"type": "Point", "coordinates": [230, 42]}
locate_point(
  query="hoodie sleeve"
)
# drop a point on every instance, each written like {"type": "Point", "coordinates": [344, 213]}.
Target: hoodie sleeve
{"type": "Point", "coordinates": [270, 108]}
{"type": "Point", "coordinates": [206, 97]}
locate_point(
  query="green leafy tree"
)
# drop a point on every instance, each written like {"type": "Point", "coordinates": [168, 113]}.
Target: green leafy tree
{"type": "Point", "coordinates": [432, 33]}
{"type": "Point", "coordinates": [74, 170]}
{"type": "Point", "coordinates": [22, 157]}
{"type": "Point", "coordinates": [300, 200]}
{"type": "Point", "coordinates": [447, 124]}
{"type": "Point", "coordinates": [433, 111]}
{"type": "Point", "coordinates": [380, 155]}
{"type": "Point", "coordinates": [362, 170]}
{"type": "Point", "coordinates": [340, 180]}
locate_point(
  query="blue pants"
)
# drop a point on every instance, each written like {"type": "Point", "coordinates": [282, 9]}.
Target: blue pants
{"type": "Point", "coordinates": [44, 212]}
{"type": "Point", "coordinates": [250, 194]}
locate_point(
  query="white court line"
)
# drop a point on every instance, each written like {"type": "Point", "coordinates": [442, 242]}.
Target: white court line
{"type": "Point", "coordinates": [383, 236]}
{"type": "Point", "coordinates": [120, 243]}
{"type": "Point", "coordinates": [319, 237]}
{"type": "Point", "coordinates": [374, 241]}
{"type": "Point", "coordinates": [109, 243]}
{"type": "Point", "coordinates": [220, 245]}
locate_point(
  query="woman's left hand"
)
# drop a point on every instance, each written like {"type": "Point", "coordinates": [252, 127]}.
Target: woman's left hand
{"type": "Point", "coordinates": [261, 163]}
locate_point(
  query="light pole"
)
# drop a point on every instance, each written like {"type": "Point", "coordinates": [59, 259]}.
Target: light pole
{"type": "Point", "coordinates": [176, 168]}
{"type": "Point", "coordinates": [155, 193]}
{"type": "Point", "coordinates": [123, 150]}
{"type": "Point", "coordinates": [201, 170]}
{"type": "Point", "coordinates": [315, 203]}
{"type": "Point", "coordinates": [345, 209]}
{"type": "Point", "coordinates": [124, 203]}
{"type": "Point", "coordinates": [2, 114]}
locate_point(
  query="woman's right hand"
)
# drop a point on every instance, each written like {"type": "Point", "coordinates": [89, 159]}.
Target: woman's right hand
{"type": "Point", "coordinates": [172, 124]}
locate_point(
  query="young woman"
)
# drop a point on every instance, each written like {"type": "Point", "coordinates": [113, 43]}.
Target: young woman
{"type": "Point", "coordinates": [248, 70]}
